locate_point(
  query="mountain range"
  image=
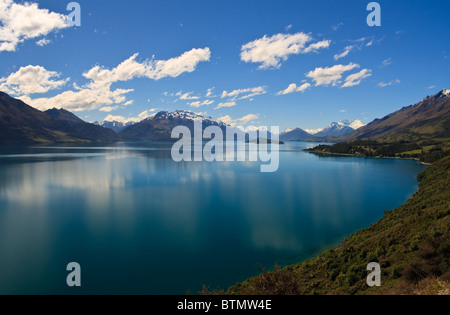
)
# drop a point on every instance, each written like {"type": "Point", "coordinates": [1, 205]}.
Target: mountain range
{"type": "Point", "coordinates": [115, 126]}
{"type": "Point", "coordinates": [334, 129]}
{"type": "Point", "coordinates": [160, 126]}
{"type": "Point", "coordinates": [23, 124]}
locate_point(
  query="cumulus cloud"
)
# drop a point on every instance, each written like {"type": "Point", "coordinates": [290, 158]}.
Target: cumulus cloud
{"type": "Point", "coordinates": [97, 93]}
{"type": "Point", "coordinates": [186, 63]}
{"type": "Point", "coordinates": [88, 98]}
{"type": "Point", "coordinates": [30, 80]}
{"type": "Point", "coordinates": [144, 115]}
{"type": "Point", "coordinates": [108, 109]}
{"type": "Point", "coordinates": [331, 75]}
{"type": "Point", "coordinates": [240, 121]}
{"type": "Point", "coordinates": [271, 51]}
{"type": "Point", "coordinates": [152, 69]}
{"type": "Point", "coordinates": [248, 93]}
{"type": "Point", "coordinates": [356, 78]}
{"type": "Point", "coordinates": [121, 119]}
{"type": "Point", "coordinates": [20, 22]}
{"type": "Point", "coordinates": [293, 88]}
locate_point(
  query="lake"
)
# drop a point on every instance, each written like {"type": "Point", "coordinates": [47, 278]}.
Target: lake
{"type": "Point", "coordinates": [139, 223]}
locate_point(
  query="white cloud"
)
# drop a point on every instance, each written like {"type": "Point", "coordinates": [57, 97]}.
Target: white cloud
{"type": "Point", "coordinates": [121, 119]}
{"type": "Point", "coordinates": [153, 69]}
{"type": "Point", "coordinates": [226, 104]}
{"type": "Point", "coordinates": [108, 109]}
{"type": "Point", "coordinates": [209, 92]}
{"type": "Point", "coordinates": [249, 93]}
{"type": "Point", "coordinates": [200, 104]}
{"type": "Point", "coordinates": [186, 63]}
{"type": "Point", "coordinates": [271, 51]}
{"type": "Point", "coordinates": [386, 62]}
{"type": "Point", "coordinates": [332, 75]}
{"type": "Point", "coordinates": [385, 84]}
{"type": "Point", "coordinates": [293, 88]}
{"type": "Point", "coordinates": [144, 115]}
{"type": "Point", "coordinates": [240, 121]}
{"type": "Point", "coordinates": [128, 103]}
{"type": "Point", "coordinates": [345, 53]}
{"type": "Point", "coordinates": [355, 79]}
{"type": "Point", "coordinates": [187, 96]}
{"type": "Point", "coordinates": [337, 26]}
{"type": "Point", "coordinates": [20, 22]}
{"type": "Point", "coordinates": [43, 42]}
{"type": "Point", "coordinates": [97, 93]}
{"type": "Point", "coordinates": [147, 113]}
{"type": "Point", "coordinates": [30, 80]}
{"type": "Point", "coordinates": [88, 98]}
{"type": "Point", "coordinates": [316, 46]}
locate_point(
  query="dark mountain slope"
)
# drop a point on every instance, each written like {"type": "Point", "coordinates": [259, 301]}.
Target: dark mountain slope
{"type": "Point", "coordinates": [428, 119]}
{"type": "Point", "coordinates": [74, 126]}
{"type": "Point", "coordinates": [23, 124]}
{"type": "Point", "coordinates": [297, 134]}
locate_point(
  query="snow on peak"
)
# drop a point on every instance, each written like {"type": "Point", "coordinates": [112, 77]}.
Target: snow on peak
{"type": "Point", "coordinates": [314, 131]}
{"type": "Point", "coordinates": [288, 130]}
{"type": "Point", "coordinates": [338, 126]}
{"type": "Point", "coordinates": [446, 92]}
{"type": "Point", "coordinates": [357, 124]}
{"type": "Point", "coordinates": [185, 114]}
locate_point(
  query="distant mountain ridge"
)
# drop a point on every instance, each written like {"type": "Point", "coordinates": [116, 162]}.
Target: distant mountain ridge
{"type": "Point", "coordinates": [333, 130]}
{"type": "Point", "coordinates": [296, 134]}
{"type": "Point", "coordinates": [115, 126]}
{"type": "Point", "coordinates": [339, 129]}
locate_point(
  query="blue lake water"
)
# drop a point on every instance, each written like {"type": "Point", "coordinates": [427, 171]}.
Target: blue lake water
{"type": "Point", "coordinates": [139, 223]}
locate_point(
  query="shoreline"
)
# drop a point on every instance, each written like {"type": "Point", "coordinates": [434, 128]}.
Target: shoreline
{"type": "Point", "coordinates": [332, 271]}
{"type": "Point", "coordinates": [367, 157]}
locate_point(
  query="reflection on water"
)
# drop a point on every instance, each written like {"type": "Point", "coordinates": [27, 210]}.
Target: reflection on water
{"type": "Point", "coordinates": [138, 222]}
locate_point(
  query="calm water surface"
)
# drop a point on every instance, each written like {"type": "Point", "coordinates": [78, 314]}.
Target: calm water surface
{"type": "Point", "coordinates": [137, 222]}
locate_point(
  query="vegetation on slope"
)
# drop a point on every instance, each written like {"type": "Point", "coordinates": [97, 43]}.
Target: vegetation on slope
{"type": "Point", "coordinates": [411, 243]}
{"type": "Point", "coordinates": [426, 151]}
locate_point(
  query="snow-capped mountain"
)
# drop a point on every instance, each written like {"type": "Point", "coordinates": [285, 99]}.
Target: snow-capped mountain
{"type": "Point", "coordinates": [445, 92]}
{"type": "Point", "coordinates": [357, 124]}
{"type": "Point", "coordinates": [116, 126]}
{"type": "Point", "coordinates": [187, 115]}
{"type": "Point", "coordinates": [340, 129]}
{"type": "Point", "coordinates": [160, 126]}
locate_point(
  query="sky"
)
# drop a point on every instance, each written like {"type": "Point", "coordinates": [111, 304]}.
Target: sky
{"type": "Point", "coordinates": [286, 63]}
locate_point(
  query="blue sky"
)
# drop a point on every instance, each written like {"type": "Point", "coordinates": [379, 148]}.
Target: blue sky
{"type": "Point", "coordinates": [251, 52]}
